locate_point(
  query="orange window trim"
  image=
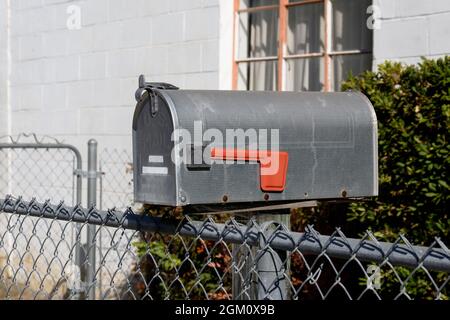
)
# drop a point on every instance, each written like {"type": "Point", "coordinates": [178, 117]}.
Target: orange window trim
{"type": "Point", "coordinates": [235, 64]}
{"type": "Point", "coordinates": [282, 41]}
{"type": "Point", "coordinates": [283, 8]}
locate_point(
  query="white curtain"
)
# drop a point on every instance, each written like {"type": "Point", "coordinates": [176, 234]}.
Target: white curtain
{"type": "Point", "coordinates": [350, 32]}
{"type": "Point", "coordinates": [305, 35]}
{"type": "Point", "coordinates": [306, 30]}
{"type": "Point", "coordinates": [263, 42]}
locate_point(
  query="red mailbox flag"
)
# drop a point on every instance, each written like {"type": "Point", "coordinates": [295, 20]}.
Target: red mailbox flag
{"type": "Point", "coordinates": [273, 165]}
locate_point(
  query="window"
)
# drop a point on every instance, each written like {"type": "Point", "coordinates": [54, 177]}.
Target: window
{"type": "Point", "coordinates": [300, 45]}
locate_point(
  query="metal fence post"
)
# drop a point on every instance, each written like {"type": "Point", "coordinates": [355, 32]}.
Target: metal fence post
{"type": "Point", "coordinates": [91, 201]}
{"type": "Point", "coordinates": [243, 284]}
{"type": "Point", "coordinates": [78, 248]}
{"type": "Point", "coordinates": [272, 265]}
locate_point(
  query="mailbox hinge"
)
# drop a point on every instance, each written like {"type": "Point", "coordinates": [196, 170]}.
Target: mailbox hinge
{"type": "Point", "coordinates": [153, 102]}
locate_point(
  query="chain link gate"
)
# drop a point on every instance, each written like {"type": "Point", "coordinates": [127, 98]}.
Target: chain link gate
{"type": "Point", "coordinates": [41, 168]}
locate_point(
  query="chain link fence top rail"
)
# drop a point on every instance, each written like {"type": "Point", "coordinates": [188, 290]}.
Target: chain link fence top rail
{"type": "Point", "coordinates": [188, 259]}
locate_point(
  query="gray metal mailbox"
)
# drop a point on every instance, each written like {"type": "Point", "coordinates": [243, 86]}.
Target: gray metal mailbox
{"type": "Point", "coordinates": [327, 146]}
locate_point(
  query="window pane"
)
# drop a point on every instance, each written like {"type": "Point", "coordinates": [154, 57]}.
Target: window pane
{"type": "Point", "coordinates": [349, 27]}
{"type": "Point", "coordinates": [345, 65]}
{"type": "Point", "coordinates": [306, 29]}
{"type": "Point", "coordinates": [258, 34]}
{"type": "Point", "coordinates": [258, 3]}
{"type": "Point", "coordinates": [261, 75]}
{"type": "Point", "coordinates": [305, 74]}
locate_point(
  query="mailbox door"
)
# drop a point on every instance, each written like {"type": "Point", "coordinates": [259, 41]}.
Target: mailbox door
{"type": "Point", "coordinates": [154, 172]}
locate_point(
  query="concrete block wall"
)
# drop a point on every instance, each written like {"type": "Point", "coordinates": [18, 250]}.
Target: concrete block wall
{"type": "Point", "coordinates": [4, 112]}
{"type": "Point", "coordinates": [411, 29]}
{"type": "Point", "coordinates": [78, 84]}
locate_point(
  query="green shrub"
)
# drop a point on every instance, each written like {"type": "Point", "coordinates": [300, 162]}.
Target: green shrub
{"type": "Point", "coordinates": [175, 267]}
{"type": "Point", "coordinates": [413, 110]}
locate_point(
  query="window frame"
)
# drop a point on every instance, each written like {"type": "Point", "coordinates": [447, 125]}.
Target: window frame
{"type": "Point", "coordinates": [282, 57]}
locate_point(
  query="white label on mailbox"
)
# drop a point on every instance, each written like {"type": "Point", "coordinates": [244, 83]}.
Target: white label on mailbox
{"type": "Point", "coordinates": [155, 170]}
{"type": "Point", "coordinates": [155, 159]}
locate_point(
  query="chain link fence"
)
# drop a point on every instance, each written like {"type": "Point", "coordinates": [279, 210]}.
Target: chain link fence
{"type": "Point", "coordinates": [43, 168]}
{"type": "Point", "coordinates": [189, 259]}
{"type": "Point", "coordinates": [115, 191]}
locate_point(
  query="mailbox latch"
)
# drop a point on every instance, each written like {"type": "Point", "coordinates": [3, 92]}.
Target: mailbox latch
{"type": "Point", "coordinates": [149, 87]}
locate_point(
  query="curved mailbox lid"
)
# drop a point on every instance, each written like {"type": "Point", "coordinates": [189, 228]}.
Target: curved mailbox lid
{"type": "Point", "coordinates": [302, 117]}
{"type": "Point", "coordinates": [331, 138]}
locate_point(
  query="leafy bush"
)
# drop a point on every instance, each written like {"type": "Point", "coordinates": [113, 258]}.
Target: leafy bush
{"type": "Point", "coordinates": [175, 267]}
{"type": "Point", "coordinates": [413, 109]}
{"type": "Point", "coordinates": [412, 104]}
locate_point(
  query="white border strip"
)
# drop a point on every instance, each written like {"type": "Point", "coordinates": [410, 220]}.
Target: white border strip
{"type": "Point", "coordinates": [155, 159]}
{"type": "Point", "coordinates": [155, 170]}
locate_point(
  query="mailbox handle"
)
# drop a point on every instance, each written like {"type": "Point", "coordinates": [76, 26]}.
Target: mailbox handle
{"type": "Point", "coordinates": [270, 182]}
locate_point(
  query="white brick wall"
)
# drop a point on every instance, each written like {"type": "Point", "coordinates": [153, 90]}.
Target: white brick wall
{"type": "Point", "coordinates": [3, 68]}
{"type": "Point", "coordinates": [411, 29]}
{"type": "Point", "coordinates": [76, 84]}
